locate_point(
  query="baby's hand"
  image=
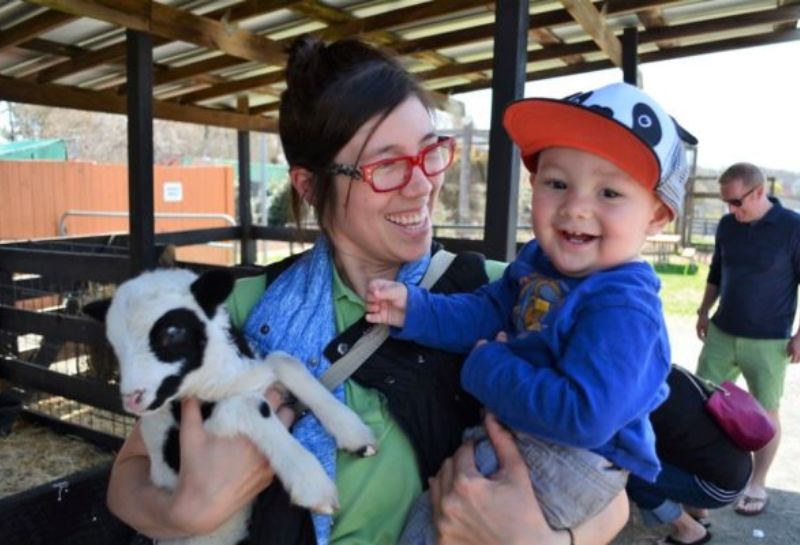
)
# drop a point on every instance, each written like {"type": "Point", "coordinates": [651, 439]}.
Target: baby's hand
{"type": "Point", "coordinates": [501, 337]}
{"type": "Point", "coordinates": [386, 302]}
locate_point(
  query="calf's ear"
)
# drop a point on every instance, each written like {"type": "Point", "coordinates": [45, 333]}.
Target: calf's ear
{"type": "Point", "coordinates": [97, 309]}
{"type": "Point", "coordinates": [211, 289]}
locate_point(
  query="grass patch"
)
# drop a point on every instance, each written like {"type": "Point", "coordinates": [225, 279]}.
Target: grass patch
{"type": "Point", "coordinates": [681, 294]}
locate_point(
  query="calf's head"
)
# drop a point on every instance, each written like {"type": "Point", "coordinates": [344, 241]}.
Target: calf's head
{"type": "Point", "coordinates": [162, 326]}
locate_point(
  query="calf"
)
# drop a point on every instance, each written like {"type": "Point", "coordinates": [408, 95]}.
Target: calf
{"type": "Point", "coordinates": [173, 338]}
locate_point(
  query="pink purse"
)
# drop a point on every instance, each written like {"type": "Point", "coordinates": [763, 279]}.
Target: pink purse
{"type": "Point", "coordinates": [739, 414]}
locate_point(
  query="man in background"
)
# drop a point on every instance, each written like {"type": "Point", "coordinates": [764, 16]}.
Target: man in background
{"type": "Point", "coordinates": [754, 273]}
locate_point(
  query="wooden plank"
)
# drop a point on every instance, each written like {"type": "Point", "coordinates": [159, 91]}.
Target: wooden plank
{"type": "Point", "coordinates": [656, 35]}
{"type": "Point", "coordinates": [586, 14]}
{"type": "Point", "coordinates": [89, 59]}
{"type": "Point", "coordinates": [550, 19]}
{"type": "Point", "coordinates": [653, 18]}
{"type": "Point", "coordinates": [354, 26]}
{"type": "Point", "coordinates": [104, 101]}
{"type": "Point", "coordinates": [52, 48]}
{"type": "Point", "coordinates": [397, 17]}
{"type": "Point", "coordinates": [725, 24]}
{"type": "Point", "coordinates": [116, 52]}
{"type": "Point", "coordinates": [30, 28]}
{"type": "Point", "coordinates": [788, 25]}
{"type": "Point", "coordinates": [168, 22]}
{"type": "Point", "coordinates": [232, 87]}
{"type": "Point", "coordinates": [653, 56]}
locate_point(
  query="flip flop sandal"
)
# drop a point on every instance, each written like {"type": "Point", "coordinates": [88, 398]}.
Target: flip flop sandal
{"type": "Point", "coordinates": [702, 521]}
{"type": "Point", "coordinates": [705, 539]}
{"type": "Point", "coordinates": [760, 503]}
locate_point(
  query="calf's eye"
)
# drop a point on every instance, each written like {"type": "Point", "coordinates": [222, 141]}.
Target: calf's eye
{"type": "Point", "coordinates": [173, 335]}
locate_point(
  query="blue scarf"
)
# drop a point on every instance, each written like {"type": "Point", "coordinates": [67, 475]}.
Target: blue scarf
{"type": "Point", "coordinates": [296, 315]}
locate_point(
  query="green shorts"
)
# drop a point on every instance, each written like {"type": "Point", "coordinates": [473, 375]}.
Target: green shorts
{"type": "Point", "coordinates": [763, 363]}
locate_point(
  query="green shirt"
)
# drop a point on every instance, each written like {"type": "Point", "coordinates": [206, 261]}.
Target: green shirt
{"type": "Point", "coordinates": [375, 493]}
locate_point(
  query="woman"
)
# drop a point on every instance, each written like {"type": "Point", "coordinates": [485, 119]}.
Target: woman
{"type": "Point", "coordinates": [357, 133]}
{"type": "Point", "coordinates": [701, 468]}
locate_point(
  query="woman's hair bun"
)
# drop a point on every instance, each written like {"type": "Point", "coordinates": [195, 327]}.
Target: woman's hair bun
{"type": "Point", "coordinates": [305, 65]}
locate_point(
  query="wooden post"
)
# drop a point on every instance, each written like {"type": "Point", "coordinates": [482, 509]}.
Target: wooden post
{"type": "Point", "coordinates": [508, 82]}
{"type": "Point", "coordinates": [630, 60]}
{"type": "Point", "coordinates": [140, 151]}
{"type": "Point", "coordinates": [248, 245]}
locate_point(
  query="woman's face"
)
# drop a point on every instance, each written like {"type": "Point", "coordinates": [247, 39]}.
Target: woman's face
{"type": "Point", "coordinates": [392, 228]}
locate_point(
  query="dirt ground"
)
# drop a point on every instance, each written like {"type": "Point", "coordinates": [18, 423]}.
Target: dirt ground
{"type": "Point", "coordinates": [32, 455]}
{"type": "Point", "coordinates": [779, 524]}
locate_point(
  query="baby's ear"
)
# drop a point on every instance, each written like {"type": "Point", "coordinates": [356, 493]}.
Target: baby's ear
{"type": "Point", "coordinates": [661, 217]}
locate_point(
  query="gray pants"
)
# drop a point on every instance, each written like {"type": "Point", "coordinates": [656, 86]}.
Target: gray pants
{"type": "Point", "coordinates": [571, 484]}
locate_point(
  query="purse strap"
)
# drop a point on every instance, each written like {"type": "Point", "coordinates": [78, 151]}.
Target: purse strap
{"type": "Point", "coordinates": [695, 382]}
{"type": "Point", "coordinates": [370, 341]}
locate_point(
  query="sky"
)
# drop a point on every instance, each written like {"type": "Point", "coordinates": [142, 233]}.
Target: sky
{"type": "Point", "coordinates": [742, 105]}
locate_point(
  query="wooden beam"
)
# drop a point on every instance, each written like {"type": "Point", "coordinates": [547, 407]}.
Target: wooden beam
{"type": "Point", "coordinates": [52, 48]}
{"type": "Point", "coordinates": [653, 18]}
{"type": "Point", "coordinates": [767, 38]}
{"type": "Point", "coordinates": [789, 25]}
{"type": "Point", "coordinates": [62, 96]}
{"type": "Point", "coordinates": [593, 22]}
{"type": "Point", "coordinates": [547, 38]}
{"type": "Point", "coordinates": [175, 24]}
{"type": "Point", "coordinates": [337, 19]}
{"type": "Point", "coordinates": [116, 52]}
{"type": "Point", "coordinates": [232, 87]}
{"type": "Point", "coordinates": [30, 28]}
{"type": "Point", "coordinates": [656, 35]}
{"type": "Point", "coordinates": [398, 17]}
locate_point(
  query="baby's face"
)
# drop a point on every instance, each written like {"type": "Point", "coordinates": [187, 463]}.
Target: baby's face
{"type": "Point", "coordinates": [587, 214]}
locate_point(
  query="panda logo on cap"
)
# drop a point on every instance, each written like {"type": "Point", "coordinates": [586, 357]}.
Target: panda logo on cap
{"type": "Point", "coordinates": [645, 124]}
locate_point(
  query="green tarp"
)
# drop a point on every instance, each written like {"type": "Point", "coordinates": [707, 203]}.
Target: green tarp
{"type": "Point", "coordinates": [52, 149]}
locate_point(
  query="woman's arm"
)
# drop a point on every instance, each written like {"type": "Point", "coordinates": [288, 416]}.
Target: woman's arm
{"type": "Point", "coordinates": [502, 509]}
{"type": "Point", "coordinates": [217, 478]}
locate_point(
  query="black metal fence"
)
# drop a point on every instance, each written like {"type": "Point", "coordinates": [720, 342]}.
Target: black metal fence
{"type": "Point", "coordinates": [56, 359]}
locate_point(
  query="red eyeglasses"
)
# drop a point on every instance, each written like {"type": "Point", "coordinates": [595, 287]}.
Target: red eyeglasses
{"type": "Point", "coordinates": [395, 173]}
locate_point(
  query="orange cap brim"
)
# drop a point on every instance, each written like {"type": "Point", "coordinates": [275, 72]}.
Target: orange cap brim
{"type": "Point", "coordinates": [536, 124]}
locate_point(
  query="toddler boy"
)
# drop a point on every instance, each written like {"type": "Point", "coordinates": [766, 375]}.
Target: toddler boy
{"type": "Point", "coordinates": [577, 352]}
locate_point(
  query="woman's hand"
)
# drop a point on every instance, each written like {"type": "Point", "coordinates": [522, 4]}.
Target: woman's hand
{"type": "Point", "coordinates": [499, 510]}
{"type": "Point", "coordinates": [217, 477]}
{"type": "Point", "coordinates": [502, 509]}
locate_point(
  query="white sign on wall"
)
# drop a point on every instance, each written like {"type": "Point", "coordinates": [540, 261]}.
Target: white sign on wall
{"type": "Point", "coordinates": [173, 191]}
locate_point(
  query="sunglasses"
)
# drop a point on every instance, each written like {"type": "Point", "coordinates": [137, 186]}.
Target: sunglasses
{"type": "Point", "coordinates": [737, 203]}
{"type": "Point", "coordinates": [395, 173]}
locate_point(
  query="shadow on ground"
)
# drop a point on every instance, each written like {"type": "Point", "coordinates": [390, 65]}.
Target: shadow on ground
{"type": "Point", "coordinates": [779, 524]}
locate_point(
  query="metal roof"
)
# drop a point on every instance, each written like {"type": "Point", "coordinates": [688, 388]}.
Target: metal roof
{"type": "Point", "coordinates": [209, 53]}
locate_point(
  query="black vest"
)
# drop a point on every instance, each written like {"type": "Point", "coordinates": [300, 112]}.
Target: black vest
{"type": "Point", "coordinates": [423, 390]}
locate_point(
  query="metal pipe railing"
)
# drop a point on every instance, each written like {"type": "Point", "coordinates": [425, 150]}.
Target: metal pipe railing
{"type": "Point", "coordinates": [62, 222]}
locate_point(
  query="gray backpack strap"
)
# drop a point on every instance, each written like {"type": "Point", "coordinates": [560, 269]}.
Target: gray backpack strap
{"type": "Point", "coordinates": [370, 341]}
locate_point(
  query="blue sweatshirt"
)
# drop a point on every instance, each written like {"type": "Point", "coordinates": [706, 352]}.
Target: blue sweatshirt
{"type": "Point", "coordinates": [586, 360]}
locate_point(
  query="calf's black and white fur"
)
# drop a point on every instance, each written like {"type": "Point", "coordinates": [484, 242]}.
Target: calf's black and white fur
{"type": "Point", "coordinates": [173, 338]}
